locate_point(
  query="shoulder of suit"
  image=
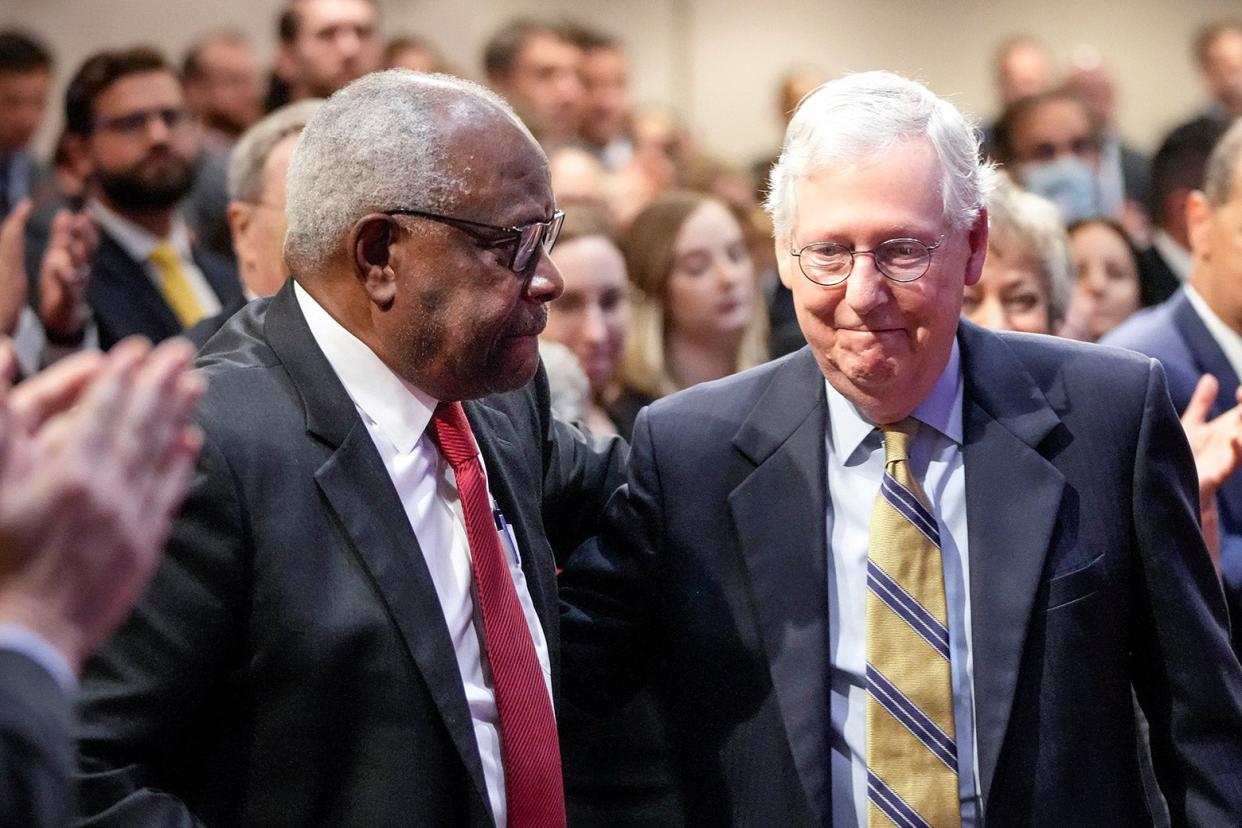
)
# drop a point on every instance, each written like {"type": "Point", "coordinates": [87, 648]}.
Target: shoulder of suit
{"type": "Point", "coordinates": [737, 392]}
{"type": "Point", "coordinates": [1051, 359]}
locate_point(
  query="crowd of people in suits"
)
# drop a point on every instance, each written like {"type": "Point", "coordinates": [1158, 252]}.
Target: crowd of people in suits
{"type": "Point", "coordinates": [379, 579]}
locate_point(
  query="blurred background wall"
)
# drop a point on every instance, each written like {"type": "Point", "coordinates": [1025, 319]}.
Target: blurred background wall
{"type": "Point", "coordinates": [717, 62]}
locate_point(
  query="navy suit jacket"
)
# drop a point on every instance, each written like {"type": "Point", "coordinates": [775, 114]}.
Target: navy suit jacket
{"type": "Point", "coordinates": [125, 301]}
{"type": "Point", "coordinates": [1089, 581]}
{"type": "Point", "coordinates": [36, 755]}
{"type": "Point", "coordinates": [290, 663]}
{"type": "Point", "coordinates": [1173, 333]}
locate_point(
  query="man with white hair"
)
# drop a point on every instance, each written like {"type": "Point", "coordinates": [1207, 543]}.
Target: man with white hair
{"type": "Point", "coordinates": [356, 621]}
{"type": "Point", "coordinates": [913, 573]}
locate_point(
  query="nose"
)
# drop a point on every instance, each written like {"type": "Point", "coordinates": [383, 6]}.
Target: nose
{"type": "Point", "coordinates": [348, 42]}
{"type": "Point", "coordinates": [158, 131]}
{"type": "Point", "coordinates": [594, 326]}
{"type": "Point", "coordinates": [545, 283]}
{"type": "Point", "coordinates": [866, 288]}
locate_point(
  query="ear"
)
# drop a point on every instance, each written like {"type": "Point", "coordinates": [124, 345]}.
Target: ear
{"type": "Point", "coordinates": [1198, 223]}
{"type": "Point", "coordinates": [371, 241]}
{"type": "Point", "coordinates": [240, 215]}
{"type": "Point", "coordinates": [978, 241]}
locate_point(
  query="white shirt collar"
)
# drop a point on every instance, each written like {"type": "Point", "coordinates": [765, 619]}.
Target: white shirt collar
{"type": "Point", "coordinates": [942, 410]}
{"type": "Point", "coordinates": [136, 241]}
{"type": "Point", "coordinates": [400, 410]}
{"type": "Point", "coordinates": [1226, 337]}
{"type": "Point", "coordinates": [1178, 258]}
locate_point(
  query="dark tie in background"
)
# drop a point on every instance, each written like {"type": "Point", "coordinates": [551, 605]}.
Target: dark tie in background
{"type": "Point", "coordinates": [528, 738]}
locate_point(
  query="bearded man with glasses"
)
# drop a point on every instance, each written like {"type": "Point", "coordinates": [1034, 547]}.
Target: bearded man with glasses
{"type": "Point", "coordinates": [356, 624]}
{"type": "Point", "coordinates": [915, 573]}
{"type": "Point", "coordinates": [126, 121]}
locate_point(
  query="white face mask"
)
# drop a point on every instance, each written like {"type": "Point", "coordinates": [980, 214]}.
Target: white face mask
{"type": "Point", "coordinates": [1067, 182]}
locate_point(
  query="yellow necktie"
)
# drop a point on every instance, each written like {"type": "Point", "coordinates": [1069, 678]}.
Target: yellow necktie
{"type": "Point", "coordinates": [911, 752]}
{"type": "Point", "coordinates": [175, 285]}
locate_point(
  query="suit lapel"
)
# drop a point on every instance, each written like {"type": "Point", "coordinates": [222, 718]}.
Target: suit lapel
{"type": "Point", "coordinates": [778, 511]}
{"type": "Point", "coordinates": [1208, 357]}
{"type": "Point", "coordinates": [361, 495]}
{"type": "Point", "coordinates": [1013, 496]}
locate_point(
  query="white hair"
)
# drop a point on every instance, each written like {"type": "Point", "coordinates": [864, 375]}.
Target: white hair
{"type": "Point", "coordinates": [250, 153]}
{"type": "Point", "coordinates": [858, 117]}
{"type": "Point", "coordinates": [383, 142]}
{"type": "Point", "coordinates": [1022, 219]}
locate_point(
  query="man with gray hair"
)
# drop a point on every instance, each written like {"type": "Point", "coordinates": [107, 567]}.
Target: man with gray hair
{"type": "Point", "coordinates": [1197, 332]}
{"type": "Point", "coordinates": [356, 621]}
{"type": "Point", "coordinates": [257, 168]}
{"type": "Point", "coordinates": [912, 573]}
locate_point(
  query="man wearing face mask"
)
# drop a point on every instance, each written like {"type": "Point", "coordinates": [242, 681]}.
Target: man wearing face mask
{"type": "Point", "coordinates": [127, 121]}
{"type": "Point", "coordinates": [1050, 145]}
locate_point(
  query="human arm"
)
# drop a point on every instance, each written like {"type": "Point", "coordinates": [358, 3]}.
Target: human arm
{"type": "Point", "coordinates": [1187, 679]}
{"type": "Point", "coordinates": [1217, 448]}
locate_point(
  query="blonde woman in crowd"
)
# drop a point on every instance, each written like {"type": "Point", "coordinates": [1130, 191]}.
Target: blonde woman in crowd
{"type": "Point", "coordinates": [697, 310]}
{"type": "Point", "coordinates": [1028, 275]}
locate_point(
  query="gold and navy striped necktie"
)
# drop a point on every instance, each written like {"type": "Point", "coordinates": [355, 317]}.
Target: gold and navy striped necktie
{"type": "Point", "coordinates": [911, 748]}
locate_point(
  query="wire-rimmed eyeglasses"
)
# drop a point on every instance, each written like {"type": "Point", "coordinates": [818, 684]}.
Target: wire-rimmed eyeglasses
{"type": "Point", "coordinates": [901, 260]}
{"type": "Point", "coordinates": [526, 239]}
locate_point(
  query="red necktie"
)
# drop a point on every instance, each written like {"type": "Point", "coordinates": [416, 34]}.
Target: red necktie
{"type": "Point", "coordinates": [528, 740]}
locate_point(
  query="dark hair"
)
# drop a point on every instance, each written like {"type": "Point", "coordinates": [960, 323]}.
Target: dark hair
{"type": "Point", "coordinates": [1149, 294]}
{"type": "Point", "coordinates": [100, 71]}
{"type": "Point", "coordinates": [192, 66]}
{"type": "Point", "coordinates": [502, 51]}
{"type": "Point", "coordinates": [1007, 124]}
{"type": "Point", "coordinates": [588, 39]}
{"type": "Point", "coordinates": [287, 22]}
{"type": "Point", "coordinates": [22, 53]}
{"type": "Point", "coordinates": [1181, 161]}
{"type": "Point", "coordinates": [1207, 36]}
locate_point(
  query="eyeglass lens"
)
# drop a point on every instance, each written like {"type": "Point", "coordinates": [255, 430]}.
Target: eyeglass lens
{"type": "Point", "coordinates": [902, 260]}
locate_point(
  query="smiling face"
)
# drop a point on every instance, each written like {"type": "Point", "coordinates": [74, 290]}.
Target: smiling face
{"type": "Point", "coordinates": [462, 324]}
{"type": "Point", "coordinates": [881, 344]}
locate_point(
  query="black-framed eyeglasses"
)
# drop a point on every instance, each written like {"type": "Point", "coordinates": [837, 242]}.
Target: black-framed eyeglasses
{"type": "Point", "coordinates": [527, 239]}
{"type": "Point", "coordinates": [901, 260]}
{"type": "Point", "coordinates": [135, 122]}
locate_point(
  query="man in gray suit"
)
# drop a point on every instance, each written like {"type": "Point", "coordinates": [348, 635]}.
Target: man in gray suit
{"type": "Point", "coordinates": [914, 572]}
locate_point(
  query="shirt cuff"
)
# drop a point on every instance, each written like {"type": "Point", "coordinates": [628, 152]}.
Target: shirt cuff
{"type": "Point", "coordinates": [18, 639]}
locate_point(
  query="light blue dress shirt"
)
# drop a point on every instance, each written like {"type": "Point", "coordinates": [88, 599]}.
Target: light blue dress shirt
{"type": "Point", "coordinates": [855, 464]}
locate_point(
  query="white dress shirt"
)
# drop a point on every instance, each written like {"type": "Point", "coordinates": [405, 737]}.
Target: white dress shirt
{"type": "Point", "coordinates": [138, 244]}
{"type": "Point", "coordinates": [396, 415]}
{"type": "Point", "coordinates": [855, 453]}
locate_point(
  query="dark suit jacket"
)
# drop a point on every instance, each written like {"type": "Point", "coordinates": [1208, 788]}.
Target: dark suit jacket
{"type": "Point", "coordinates": [1088, 576]}
{"type": "Point", "coordinates": [1174, 334]}
{"type": "Point", "coordinates": [1157, 280]}
{"type": "Point", "coordinates": [125, 301]}
{"type": "Point", "coordinates": [36, 758]}
{"type": "Point", "coordinates": [206, 329]}
{"type": "Point", "coordinates": [290, 664]}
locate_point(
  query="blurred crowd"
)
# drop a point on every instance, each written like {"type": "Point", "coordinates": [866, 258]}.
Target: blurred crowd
{"type": "Point", "coordinates": [161, 213]}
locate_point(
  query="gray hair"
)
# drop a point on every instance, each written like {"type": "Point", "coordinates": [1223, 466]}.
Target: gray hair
{"type": "Point", "coordinates": [1016, 216]}
{"type": "Point", "coordinates": [857, 117]}
{"type": "Point", "coordinates": [249, 155]}
{"type": "Point", "coordinates": [1222, 166]}
{"type": "Point", "coordinates": [381, 143]}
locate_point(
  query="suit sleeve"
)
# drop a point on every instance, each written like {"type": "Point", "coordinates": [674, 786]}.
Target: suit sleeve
{"type": "Point", "coordinates": [35, 748]}
{"type": "Point", "coordinates": [581, 471]}
{"type": "Point", "coordinates": [152, 683]}
{"type": "Point", "coordinates": [1187, 677]}
{"type": "Point", "coordinates": [606, 601]}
